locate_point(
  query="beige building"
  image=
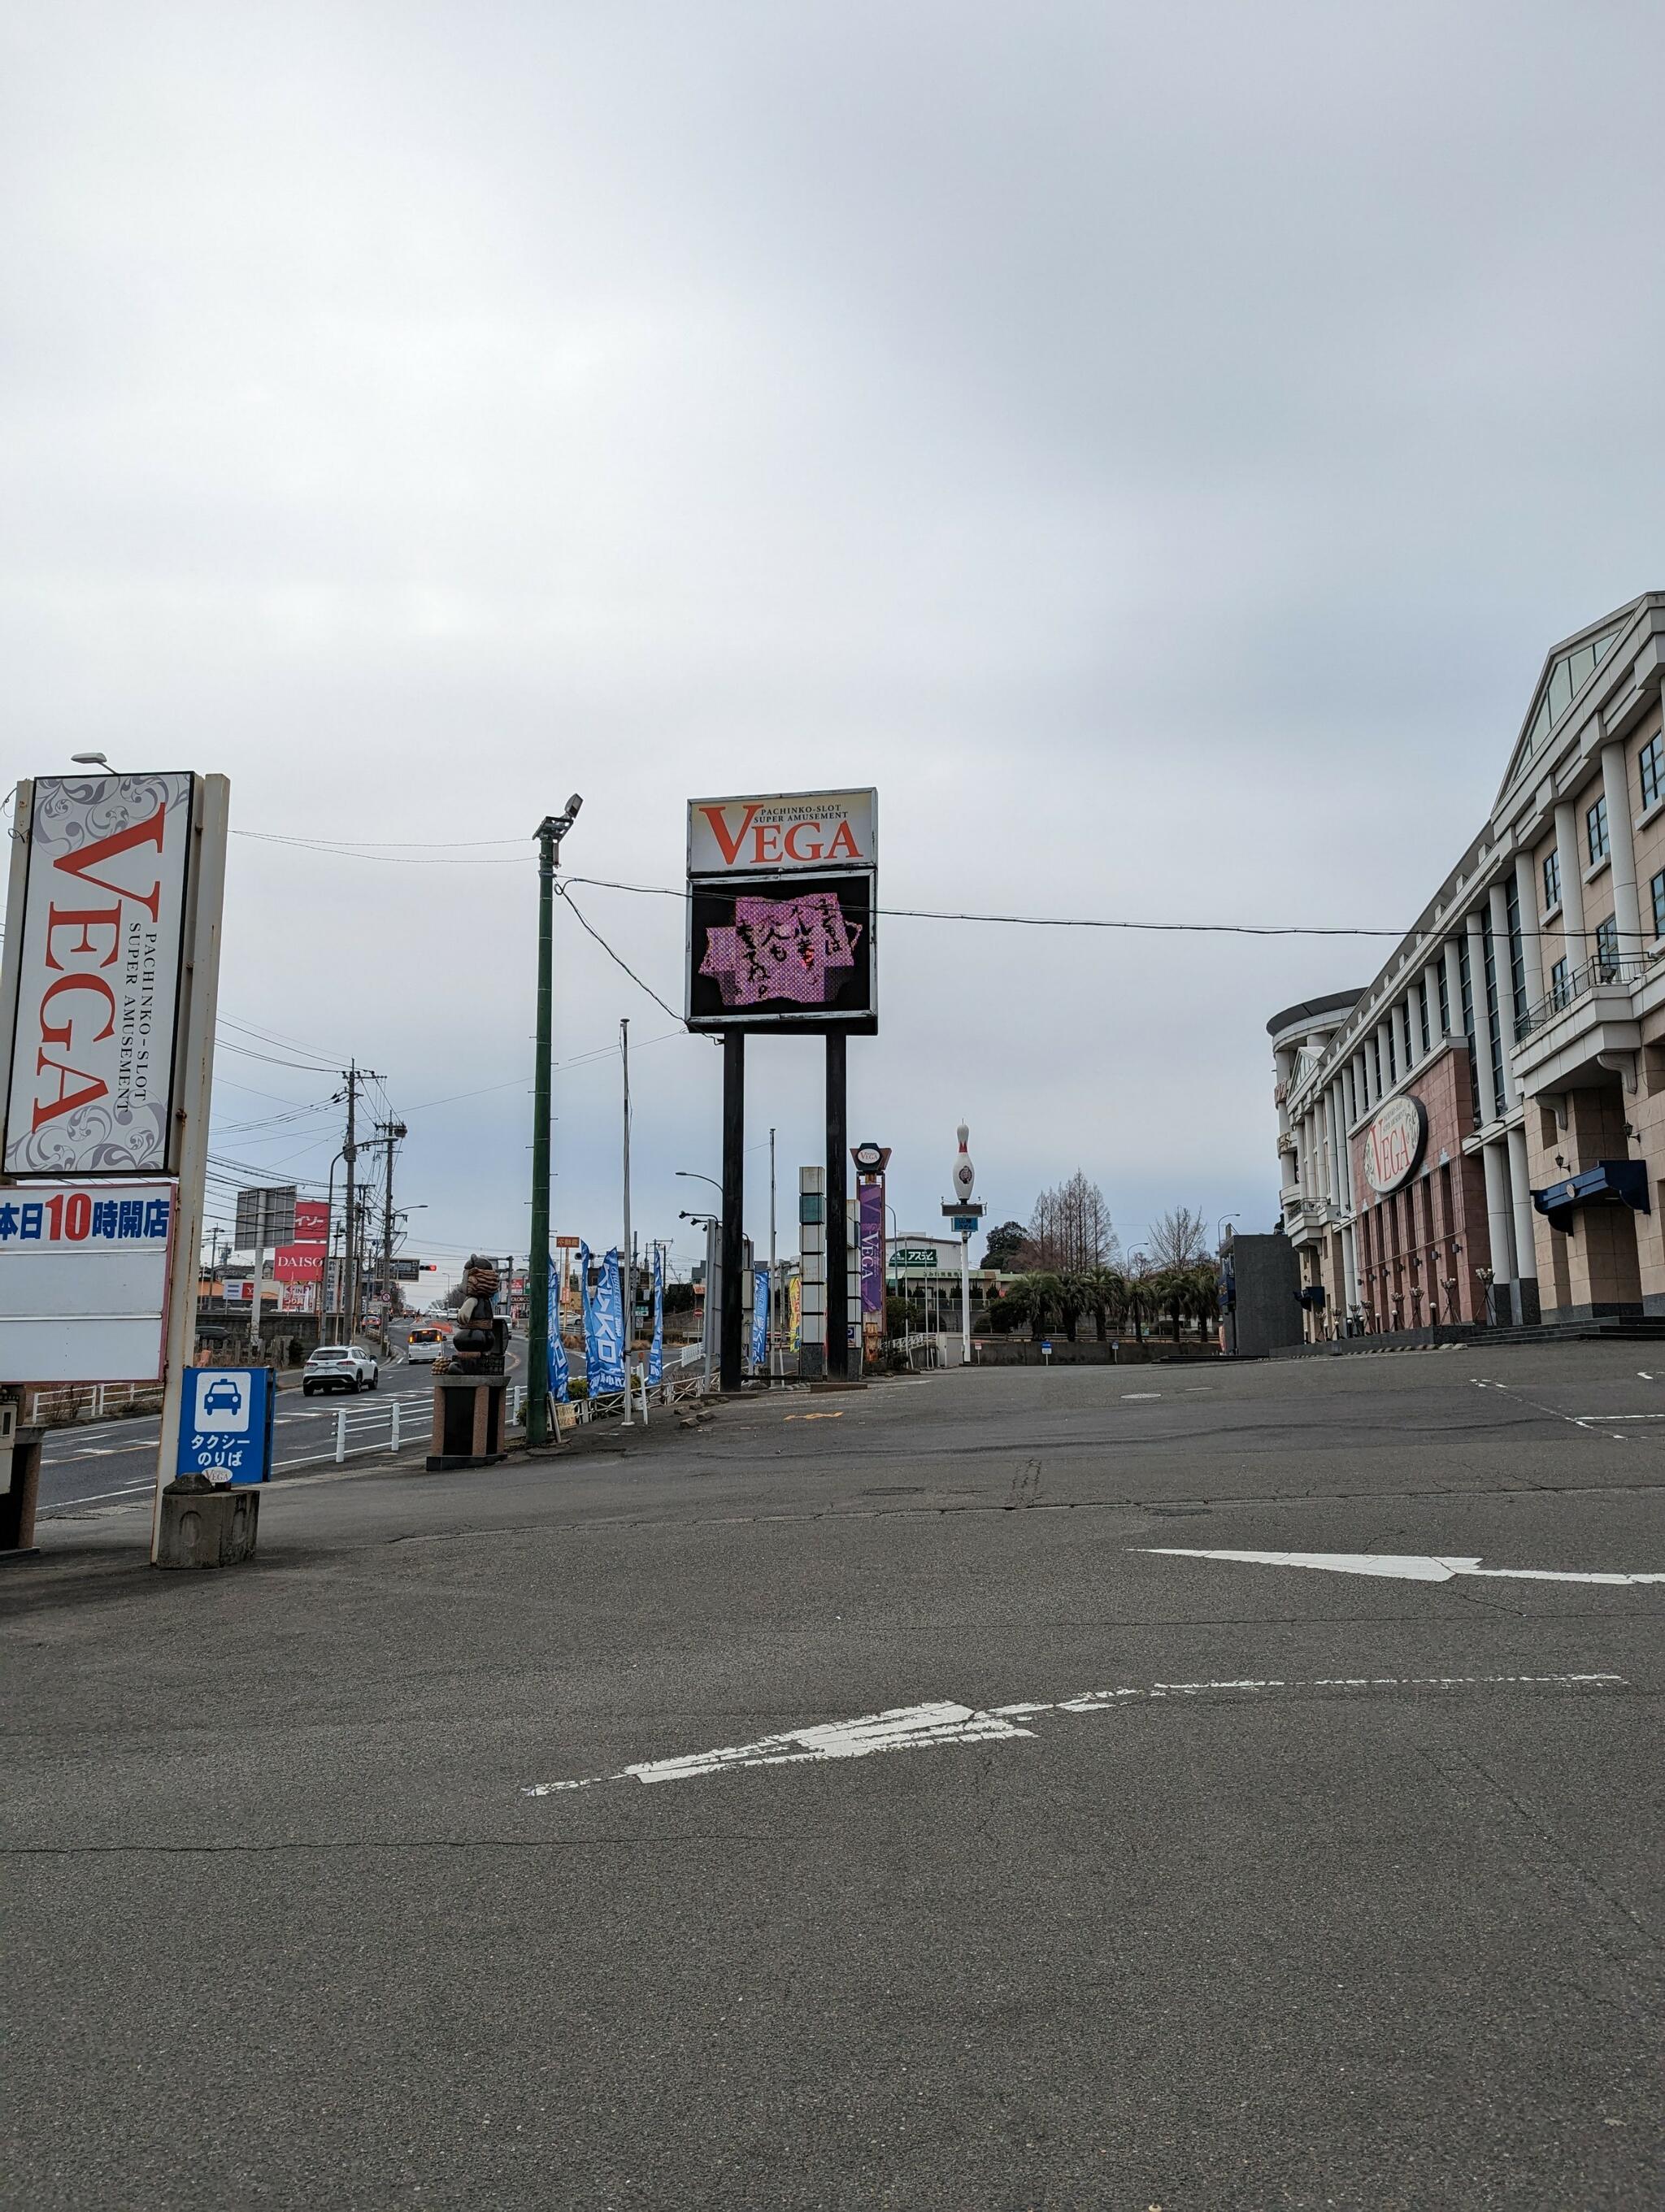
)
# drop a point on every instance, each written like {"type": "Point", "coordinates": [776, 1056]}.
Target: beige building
{"type": "Point", "coordinates": [1480, 1135]}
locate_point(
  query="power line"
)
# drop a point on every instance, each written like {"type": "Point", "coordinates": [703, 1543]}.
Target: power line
{"type": "Point", "coordinates": [619, 961]}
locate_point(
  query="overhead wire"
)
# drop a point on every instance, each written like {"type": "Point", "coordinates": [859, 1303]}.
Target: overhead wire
{"type": "Point", "coordinates": [618, 959]}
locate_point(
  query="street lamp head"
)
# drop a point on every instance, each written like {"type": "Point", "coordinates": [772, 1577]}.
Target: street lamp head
{"type": "Point", "coordinates": [89, 759]}
{"type": "Point", "coordinates": [573, 806]}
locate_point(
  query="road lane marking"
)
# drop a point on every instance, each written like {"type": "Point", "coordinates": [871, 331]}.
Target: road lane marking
{"type": "Point", "coordinates": [1404, 1567]}
{"type": "Point", "coordinates": [814, 1416]}
{"type": "Point", "coordinates": [932, 1727]}
{"type": "Point", "coordinates": [59, 1505]}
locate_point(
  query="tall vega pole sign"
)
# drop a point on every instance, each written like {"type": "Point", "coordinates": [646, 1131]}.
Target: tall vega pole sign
{"type": "Point", "coordinates": [781, 912]}
{"type": "Point", "coordinates": [108, 987]}
{"type": "Point", "coordinates": [92, 1073]}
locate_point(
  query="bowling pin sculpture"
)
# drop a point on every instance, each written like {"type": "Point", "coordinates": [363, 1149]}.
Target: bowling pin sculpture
{"type": "Point", "coordinates": [965, 1176]}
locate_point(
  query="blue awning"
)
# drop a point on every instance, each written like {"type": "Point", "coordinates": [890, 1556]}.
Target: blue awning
{"type": "Point", "coordinates": [1610, 1182]}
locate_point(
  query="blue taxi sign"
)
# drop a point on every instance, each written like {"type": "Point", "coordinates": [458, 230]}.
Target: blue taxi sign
{"type": "Point", "coordinates": [225, 1423]}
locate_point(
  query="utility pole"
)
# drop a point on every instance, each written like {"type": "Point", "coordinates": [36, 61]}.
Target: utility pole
{"type": "Point", "coordinates": [350, 1153]}
{"type": "Point", "coordinates": [627, 1269]}
{"type": "Point", "coordinates": [550, 831]}
{"type": "Point", "coordinates": [388, 1134]}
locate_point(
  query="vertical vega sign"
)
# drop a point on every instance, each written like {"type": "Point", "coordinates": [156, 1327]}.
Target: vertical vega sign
{"type": "Point", "coordinates": [90, 1088]}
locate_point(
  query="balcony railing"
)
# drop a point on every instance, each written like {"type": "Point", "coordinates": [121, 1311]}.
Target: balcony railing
{"type": "Point", "coordinates": [1610, 969]}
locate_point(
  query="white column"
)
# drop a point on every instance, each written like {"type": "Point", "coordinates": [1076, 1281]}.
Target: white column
{"type": "Point", "coordinates": [1519, 1192]}
{"type": "Point", "coordinates": [1349, 1267]}
{"type": "Point", "coordinates": [1500, 951]}
{"type": "Point", "coordinates": [1621, 848]}
{"type": "Point", "coordinates": [1343, 1149]}
{"type": "Point", "coordinates": [1569, 846]}
{"type": "Point", "coordinates": [1499, 1219]}
{"type": "Point", "coordinates": [1532, 951]}
{"type": "Point", "coordinates": [1482, 1028]}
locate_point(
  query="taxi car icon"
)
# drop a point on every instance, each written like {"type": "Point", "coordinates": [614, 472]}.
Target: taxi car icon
{"type": "Point", "coordinates": [222, 1397]}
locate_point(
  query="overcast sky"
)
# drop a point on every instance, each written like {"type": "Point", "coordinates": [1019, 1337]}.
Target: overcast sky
{"type": "Point", "coordinates": [1155, 446]}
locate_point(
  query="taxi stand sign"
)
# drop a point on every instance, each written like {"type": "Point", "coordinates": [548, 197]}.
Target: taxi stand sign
{"type": "Point", "coordinates": [225, 1423]}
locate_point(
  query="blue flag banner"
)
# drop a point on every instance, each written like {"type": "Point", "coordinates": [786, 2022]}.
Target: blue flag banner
{"type": "Point", "coordinates": [760, 1317]}
{"type": "Point", "coordinates": [560, 1376]}
{"type": "Point", "coordinates": [656, 1350]}
{"type": "Point", "coordinates": [604, 1323]}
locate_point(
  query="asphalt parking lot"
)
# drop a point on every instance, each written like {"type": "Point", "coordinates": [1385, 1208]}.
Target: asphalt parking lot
{"type": "Point", "coordinates": [955, 1826]}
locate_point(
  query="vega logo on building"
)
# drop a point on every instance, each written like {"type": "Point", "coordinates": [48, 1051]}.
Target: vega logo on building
{"type": "Point", "coordinates": [1394, 1143]}
{"type": "Point", "coordinates": [91, 1081]}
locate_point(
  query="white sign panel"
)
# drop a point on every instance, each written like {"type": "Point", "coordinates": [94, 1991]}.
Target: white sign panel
{"type": "Point", "coordinates": [1394, 1143]}
{"type": "Point", "coordinates": [83, 1280]}
{"type": "Point", "coordinates": [91, 1080]}
{"type": "Point", "coordinates": [806, 829]}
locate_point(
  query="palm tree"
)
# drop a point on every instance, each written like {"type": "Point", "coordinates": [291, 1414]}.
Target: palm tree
{"type": "Point", "coordinates": [1046, 1302]}
{"type": "Point", "coordinates": [1105, 1293]}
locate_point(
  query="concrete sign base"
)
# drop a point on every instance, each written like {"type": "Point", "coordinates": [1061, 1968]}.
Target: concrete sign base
{"type": "Point", "coordinates": [207, 1525]}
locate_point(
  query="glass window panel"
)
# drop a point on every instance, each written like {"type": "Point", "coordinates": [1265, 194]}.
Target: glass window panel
{"type": "Point", "coordinates": [1560, 687]}
{"type": "Point", "coordinates": [1658, 890]}
{"type": "Point", "coordinates": [1582, 664]}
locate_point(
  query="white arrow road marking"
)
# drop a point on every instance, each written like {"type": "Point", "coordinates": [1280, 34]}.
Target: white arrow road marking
{"type": "Point", "coordinates": [1404, 1567]}
{"type": "Point", "coordinates": [926, 1728]}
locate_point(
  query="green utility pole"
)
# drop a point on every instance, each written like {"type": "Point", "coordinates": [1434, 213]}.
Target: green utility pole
{"type": "Point", "coordinates": [550, 831]}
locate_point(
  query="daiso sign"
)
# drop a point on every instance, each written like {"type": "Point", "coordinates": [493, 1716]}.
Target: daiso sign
{"type": "Point", "coordinates": [797, 829]}
{"type": "Point", "coordinates": [1394, 1143]}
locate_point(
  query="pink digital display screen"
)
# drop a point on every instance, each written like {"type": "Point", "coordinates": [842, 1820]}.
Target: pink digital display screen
{"type": "Point", "coordinates": [795, 953]}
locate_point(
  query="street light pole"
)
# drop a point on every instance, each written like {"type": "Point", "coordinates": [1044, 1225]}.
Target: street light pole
{"type": "Point", "coordinates": [550, 831]}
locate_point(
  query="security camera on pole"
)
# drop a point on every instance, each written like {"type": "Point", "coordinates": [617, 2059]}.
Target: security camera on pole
{"type": "Point", "coordinates": [964, 1212]}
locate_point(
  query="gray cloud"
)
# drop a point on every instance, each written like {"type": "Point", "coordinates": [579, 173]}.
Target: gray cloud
{"type": "Point", "coordinates": [1155, 447]}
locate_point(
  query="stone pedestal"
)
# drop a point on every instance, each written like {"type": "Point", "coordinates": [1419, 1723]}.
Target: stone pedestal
{"type": "Point", "coordinates": [468, 1421]}
{"type": "Point", "coordinates": [208, 1524]}
{"type": "Point", "coordinates": [20, 1482]}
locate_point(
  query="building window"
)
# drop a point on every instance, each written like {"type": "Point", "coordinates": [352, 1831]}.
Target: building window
{"type": "Point", "coordinates": [1493, 1016]}
{"type": "Point", "coordinates": [1606, 951]}
{"type": "Point", "coordinates": [1422, 1001]}
{"type": "Point", "coordinates": [1467, 982]}
{"type": "Point", "coordinates": [1652, 765]}
{"type": "Point", "coordinates": [1552, 880]}
{"type": "Point", "coordinates": [1596, 831]}
{"type": "Point", "coordinates": [1445, 1001]}
{"type": "Point", "coordinates": [1656, 891]}
{"type": "Point", "coordinates": [1393, 1035]}
{"type": "Point", "coordinates": [1375, 1059]}
{"type": "Point", "coordinates": [1558, 991]}
{"type": "Point", "coordinates": [1516, 951]}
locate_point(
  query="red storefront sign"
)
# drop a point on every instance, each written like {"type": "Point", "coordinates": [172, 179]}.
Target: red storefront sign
{"type": "Point", "coordinates": [303, 1261]}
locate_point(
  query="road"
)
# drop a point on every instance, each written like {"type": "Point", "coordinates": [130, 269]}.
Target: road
{"type": "Point", "coordinates": [108, 1460]}
{"type": "Point", "coordinates": [892, 1799]}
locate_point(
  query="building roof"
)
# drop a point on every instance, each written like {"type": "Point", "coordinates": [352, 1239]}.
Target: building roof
{"type": "Point", "coordinates": [1313, 1010]}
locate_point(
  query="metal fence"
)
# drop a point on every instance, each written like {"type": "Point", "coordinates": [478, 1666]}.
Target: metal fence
{"type": "Point", "coordinates": [683, 1380]}
{"type": "Point", "coordinates": [67, 1405]}
{"type": "Point", "coordinates": [383, 1428]}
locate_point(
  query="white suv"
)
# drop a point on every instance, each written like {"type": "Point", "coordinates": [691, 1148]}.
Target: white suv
{"type": "Point", "coordinates": [340, 1367]}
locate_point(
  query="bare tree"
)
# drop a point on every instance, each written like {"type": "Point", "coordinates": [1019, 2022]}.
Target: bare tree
{"type": "Point", "coordinates": [1070, 1230]}
{"type": "Point", "coordinates": [1179, 1240]}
